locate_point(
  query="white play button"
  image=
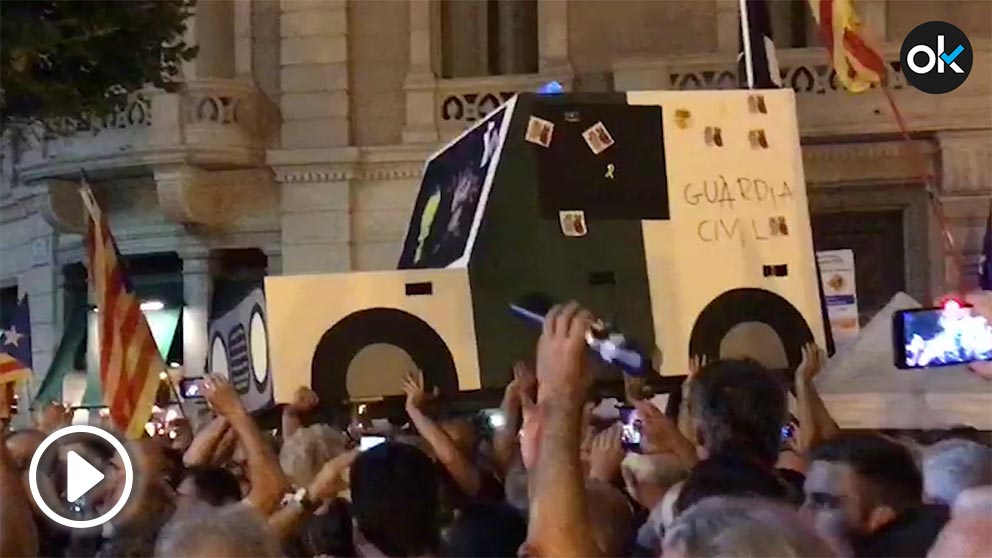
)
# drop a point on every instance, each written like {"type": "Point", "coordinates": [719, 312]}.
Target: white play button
{"type": "Point", "coordinates": [80, 477]}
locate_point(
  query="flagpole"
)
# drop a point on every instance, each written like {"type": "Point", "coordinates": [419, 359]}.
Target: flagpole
{"type": "Point", "coordinates": [746, 40]}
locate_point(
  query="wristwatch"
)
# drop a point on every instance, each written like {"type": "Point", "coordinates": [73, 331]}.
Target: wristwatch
{"type": "Point", "coordinates": [303, 499]}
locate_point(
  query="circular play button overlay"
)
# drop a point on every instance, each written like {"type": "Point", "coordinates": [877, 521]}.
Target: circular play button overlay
{"type": "Point", "coordinates": [70, 468]}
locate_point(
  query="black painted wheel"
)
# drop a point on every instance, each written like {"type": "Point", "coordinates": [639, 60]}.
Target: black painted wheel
{"type": "Point", "coordinates": [339, 345]}
{"type": "Point", "coordinates": [749, 305]}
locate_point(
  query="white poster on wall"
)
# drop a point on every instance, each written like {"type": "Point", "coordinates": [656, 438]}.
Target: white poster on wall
{"type": "Point", "coordinates": [840, 293]}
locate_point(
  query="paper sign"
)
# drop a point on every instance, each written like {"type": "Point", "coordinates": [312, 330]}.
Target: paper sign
{"type": "Point", "coordinates": [573, 223]}
{"type": "Point", "coordinates": [539, 131]}
{"type": "Point", "coordinates": [598, 138]}
{"type": "Point", "coordinates": [840, 293]}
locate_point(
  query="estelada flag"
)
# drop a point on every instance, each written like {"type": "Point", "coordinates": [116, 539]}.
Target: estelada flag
{"type": "Point", "coordinates": [130, 362]}
{"type": "Point", "coordinates": [858, 65]}
{"type": "Point", "coordinates": [15, 345]}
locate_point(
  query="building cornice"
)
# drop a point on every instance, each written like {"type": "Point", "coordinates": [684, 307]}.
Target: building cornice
{"type": "Point", "coordinates": [400, 162]}
{"type": "Point", "coordinates": [870, 162]}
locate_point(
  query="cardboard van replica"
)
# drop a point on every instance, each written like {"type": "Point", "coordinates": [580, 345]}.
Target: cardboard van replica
{"type": "Point", "coordinates": [679, 217]}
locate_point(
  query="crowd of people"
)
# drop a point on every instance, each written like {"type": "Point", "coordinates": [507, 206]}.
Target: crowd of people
{"type": "Point", "coordinates": [723, 478]}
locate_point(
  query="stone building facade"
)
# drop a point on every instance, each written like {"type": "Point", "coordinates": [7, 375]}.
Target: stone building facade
{"type": "Point", "coordinates": [297, 142]}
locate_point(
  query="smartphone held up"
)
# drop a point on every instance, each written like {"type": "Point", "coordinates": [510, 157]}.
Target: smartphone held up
{"type": "Point", "coordinates": [192, 388]}
{"type": "Point", "coordinates": [948, 335]}
{"type": "Point", "coordinates": [630, 436]}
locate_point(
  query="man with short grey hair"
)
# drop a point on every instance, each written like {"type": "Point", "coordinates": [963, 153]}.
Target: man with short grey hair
{"type": "Point", "coordinates": [953, 465]}
{"type": "Point", "coordinates": [234, 530]}
{"type": "Point", "coordinates": [648, 478]}
{"type": "Point", "coordinates": [306, 450]}
{"type": "Point", "coordinates": [725, 526]}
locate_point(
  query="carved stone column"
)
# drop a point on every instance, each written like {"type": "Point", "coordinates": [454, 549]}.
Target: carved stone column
{"type": "Point", "coordinates": [317, 216]}
{"type": "Point", "coordinates": [314, 61]}
{"type": "Point", "coordinates": [966, 192]}
{"type": "Point", "coordinates": [873, 12]}
{"type": "Point", "coordinates": [728, 25]}
{"type": "Point", "coordinates": [517, 40]}
{"type": "Point", "coordinates": [197, 292]}
{"type": "Point", "coordinates": [420, 83]}
{"type": "Point", "coordinates": [212, 30]}
{"type": "Point", "coordinates": [552, 37]}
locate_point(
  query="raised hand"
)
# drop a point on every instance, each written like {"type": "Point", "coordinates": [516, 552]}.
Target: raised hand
{"type": "Point", "coordinates": [413, 386]}
{"type": "Point", "coordinates": [304, 400]}
{"type": "Point", "coordinates": [530, 429]}
{"type": "Point", "coordinates": [561, 354]}
{"type": "Point", "coordinates": [696, 363]}
{"type": "Point", "coordinates": [53, 417]}
{"type": "Point", "coordinates": [330, 480]}
{"type": "Point", "coordinates": [812, 363]}
{"type": "Point", "coordinates": [524, 380]}
{"type": "Point", "coordinates": [660, 435]}
{"type": "Point", "coordinates": [605, 454]}
{"type": "Point", "coordinates": [221, 395]}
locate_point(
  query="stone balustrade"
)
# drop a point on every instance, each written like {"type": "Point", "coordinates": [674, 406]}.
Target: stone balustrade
{"type": "Point", "coordinates": [461, 102]}
{"type": "Point", "coordinates": [208, 122]}
{"type": "Point", "coordinates": [824, 107]}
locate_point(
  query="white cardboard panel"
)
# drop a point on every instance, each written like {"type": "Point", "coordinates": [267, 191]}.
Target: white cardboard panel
{"type": "Point", "coordinates": [721, 199]}
{"type": "Point", "coordinates": [302, 308]}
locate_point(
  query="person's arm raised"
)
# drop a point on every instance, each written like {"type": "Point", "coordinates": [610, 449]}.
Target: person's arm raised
{"type": "Point", "coordinates": [505, 440]}
{"type": "Point", "coordinates": [660, 435]}
{"type": "Point", "coordinates": [696, 363]}
{"type": "Point", "coordinates": [268, 483]}
{"type": "Point", "coordinates": [815, 422]}
{"type": "Point", "coordinates": [204, 446]}
{"type": "Point", "coordinates": [606, 454]}
{"type": "Point", "coordinates": [462, 471]}
{"type": "Point", "coordinates": [325, 486]}
{"type": "Point", "coordinates": [304, 400]}
{"type": "Point", "coordinates": [559, 524]}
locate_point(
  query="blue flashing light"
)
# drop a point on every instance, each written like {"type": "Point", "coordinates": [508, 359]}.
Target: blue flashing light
{"type": "Point", "coordinates": [551, 88]}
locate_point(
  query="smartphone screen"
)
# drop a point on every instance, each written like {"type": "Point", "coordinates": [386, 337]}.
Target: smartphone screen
{"type": "Point", "coordinates": [631, 435]}
{"type": "Point", "coordinates": [191, 388]}
{"type": "Point", "coordinates": [495, 418]}
{"type": "Point", "coordinates": [787, 432]}
{"type": "Point", "coordinates": [369, 442]}
{"type": "Point", "coordinates": [929, 337]}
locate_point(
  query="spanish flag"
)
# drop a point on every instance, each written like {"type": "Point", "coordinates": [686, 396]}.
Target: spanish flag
{"type": "Point", "coordinates": [858, 65]}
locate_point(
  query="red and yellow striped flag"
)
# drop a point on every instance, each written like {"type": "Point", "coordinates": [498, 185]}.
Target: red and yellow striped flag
{"type": "Point", "coordinates": [858, 65]}
{"type": "Point", "coordinates": [130, 362]}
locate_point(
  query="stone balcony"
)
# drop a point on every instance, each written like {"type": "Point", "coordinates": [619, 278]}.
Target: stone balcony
{"type": "Point", "coordinates": [204, 147]}
{"type": "Point", "coordinates": [209, 123]}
